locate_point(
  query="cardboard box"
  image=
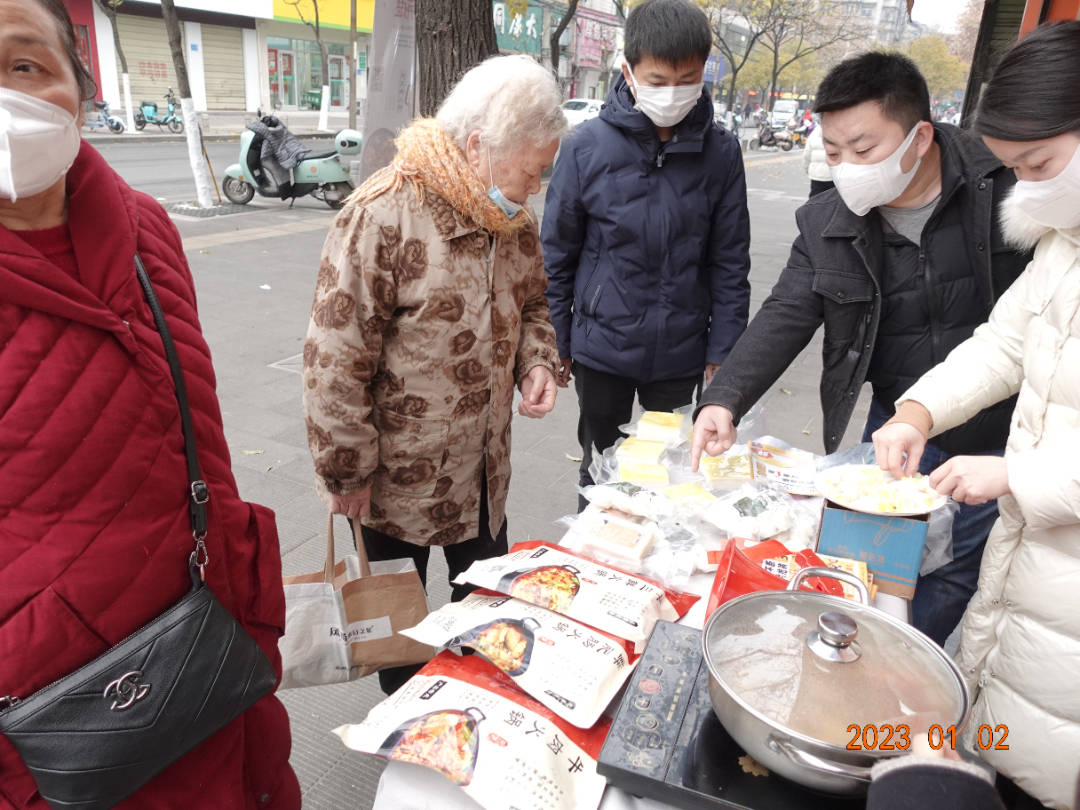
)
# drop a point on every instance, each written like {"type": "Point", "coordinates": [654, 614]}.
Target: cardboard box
{"type": "Point", "coordinates": [891, 547]}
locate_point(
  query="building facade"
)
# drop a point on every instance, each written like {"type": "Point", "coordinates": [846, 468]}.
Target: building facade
{"type": "Point", "coordinates": [240, 54]}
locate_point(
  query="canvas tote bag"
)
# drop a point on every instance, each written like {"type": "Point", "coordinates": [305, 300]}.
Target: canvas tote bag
{"type": "Point", "coordinates": [342, 623]}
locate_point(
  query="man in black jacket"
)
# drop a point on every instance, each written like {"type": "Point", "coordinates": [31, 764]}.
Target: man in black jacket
{"type": "Point", "coordinates": [900, 262]}
{"type": "Point", "coordinates": [646, 233]}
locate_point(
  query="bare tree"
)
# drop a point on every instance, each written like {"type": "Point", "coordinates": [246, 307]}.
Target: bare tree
{"type": "Point", "coordinates": [737, 25]}
{"type": "Point", "coordinates": [962, 43]}
{"type": "Point", "coordinates": [324, 57]}
{"type": "Point", "coordinates": [451, 37]}
{"type": "Point", "coordinates": [108, 8]}
{"type": "Point", "coordinates": [199, 168]}
{"type": "Point", "coordinates": [557, 33]}
{"type": "Point", "coordinates": [797, 29]}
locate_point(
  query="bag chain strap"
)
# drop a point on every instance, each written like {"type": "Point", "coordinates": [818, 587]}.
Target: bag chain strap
{"type": "Point", "coordinates": [199, 491]}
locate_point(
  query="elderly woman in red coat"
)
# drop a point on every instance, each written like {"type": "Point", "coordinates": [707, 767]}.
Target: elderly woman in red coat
{"type": "Point", "coordinates": [94, 531]}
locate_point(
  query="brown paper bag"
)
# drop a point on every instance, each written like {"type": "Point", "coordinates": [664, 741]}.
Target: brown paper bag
{"type": "Point", "coordinates": [343, 622]}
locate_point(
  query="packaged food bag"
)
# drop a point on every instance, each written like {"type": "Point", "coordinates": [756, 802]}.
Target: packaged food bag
{"type": "Point", "coordinates": [462, 717]}
{"type": "Point", "coordinates": [776, 463]}
{"type": "Point", "coordinates": [669, 427]}
{"type": "Point", "coordinates": [573, 670]}
{"type": "Point", "coordinates": [601, 596]}
{"type": "Point", "coordinates": [629, 498]}
{"type": "Point", "coordinates": [751, 511]}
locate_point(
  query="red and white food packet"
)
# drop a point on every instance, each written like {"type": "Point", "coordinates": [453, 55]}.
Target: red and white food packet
{"type": "Point", "coordinates": [572, 669]}
{"type": "Point", "coordinates": [601, 596]}
{"type": "Point", "coordinates": [463, 718]}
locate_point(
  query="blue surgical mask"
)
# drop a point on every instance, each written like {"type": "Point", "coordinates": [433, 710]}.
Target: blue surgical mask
{"type": "Point", "coordinates": [507, 206]}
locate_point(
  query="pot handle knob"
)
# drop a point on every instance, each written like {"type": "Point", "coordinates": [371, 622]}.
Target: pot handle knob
{"type": "Point", "coordinates": [834, 573]}
{"type": "Point", "coordinates": [807, 760]}
{"type": "Point", "coordinates": [837, 629]}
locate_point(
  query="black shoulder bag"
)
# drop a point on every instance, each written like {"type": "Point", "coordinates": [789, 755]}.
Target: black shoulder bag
{"type": "Point", "coordinates": [97, 735]}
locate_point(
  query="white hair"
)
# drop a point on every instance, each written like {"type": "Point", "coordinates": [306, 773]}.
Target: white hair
{"type": "Point", "coordinates": [508, 99]}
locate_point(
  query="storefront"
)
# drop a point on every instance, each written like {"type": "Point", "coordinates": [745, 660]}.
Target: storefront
{"type": "Point", "coordinates": [293, 62]}
{"type": "Point", "coordinates": [597, 43]}
{"type": "Point", "coordinates": [82, 16]}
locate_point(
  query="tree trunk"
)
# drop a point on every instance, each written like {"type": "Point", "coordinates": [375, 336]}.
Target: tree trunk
{"type": "Point", "coordinates": [199, 170]}
{"type": "Point", "coordinates": [110, 12]}
{"type": "Point", "coordinates": [558, 32]}
{"type": "Point", "coordinates": [451, 37]}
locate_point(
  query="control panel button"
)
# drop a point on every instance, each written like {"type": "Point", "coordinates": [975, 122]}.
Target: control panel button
{"type": "Point", "coordinates": [649, 686]}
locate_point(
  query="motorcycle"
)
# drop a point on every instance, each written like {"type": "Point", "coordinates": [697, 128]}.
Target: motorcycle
{"type": "Point", "coordinates": [801, 133]}
{"type": "Point", "coordinates": [320, 175]}
{"type": "Point", "coordinates": [104, 118]}
{"type": "Point", "coordinates": [768, 137]}
{"type": "Point", "coordinates": [148, 114]}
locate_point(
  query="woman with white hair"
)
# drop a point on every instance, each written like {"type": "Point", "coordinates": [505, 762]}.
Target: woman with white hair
{"type": "Point", "coordinates": [429, 309]}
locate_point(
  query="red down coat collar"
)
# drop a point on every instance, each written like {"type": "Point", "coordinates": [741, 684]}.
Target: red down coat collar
{"type": "Point", "coordinates": [94, 530]}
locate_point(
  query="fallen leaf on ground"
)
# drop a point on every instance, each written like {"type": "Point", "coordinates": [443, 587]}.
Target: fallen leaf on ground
{"type": "Point", "coordinates": [785, 392]}
{"type": "Point", "coordinates": [254, 452]}
{"type": "Point", "coordinates": [576, 459]}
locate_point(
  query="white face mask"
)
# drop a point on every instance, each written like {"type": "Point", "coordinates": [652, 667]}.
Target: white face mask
{"type": "Point", "coordinates": [665, 106]}
{"type": "Point", "coordinates": [1054, 203]}
{"type": "Point", "coordinates": [38, 144]}
{"type": "Point", "coordinates": [863, 186]}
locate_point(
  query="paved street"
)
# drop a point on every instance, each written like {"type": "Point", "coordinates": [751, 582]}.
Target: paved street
{"type": "Point", "coordinates": [255, 276]}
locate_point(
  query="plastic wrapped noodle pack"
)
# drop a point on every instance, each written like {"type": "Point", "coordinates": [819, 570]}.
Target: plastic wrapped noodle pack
{"type": "Point", "coordinates": [463, 718]}
{"type": "Point", "coordinates": [570, 668]}
{"type": "Point", "coordinates": [602, 596]}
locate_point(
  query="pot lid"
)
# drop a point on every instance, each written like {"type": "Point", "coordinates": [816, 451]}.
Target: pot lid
{"type": "Point", "coordinates": [818, 665]}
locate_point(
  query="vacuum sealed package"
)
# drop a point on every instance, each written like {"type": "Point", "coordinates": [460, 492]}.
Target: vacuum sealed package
{"type": "Point", "coordinates": [665, 551]}
{"type": "Point", "coordinates": [776, 463]}
{"type": "Point", "coordinates": [638, 462]}
{"type": "Point", "coordinates": [729, 470]}
{"type": "Point", "coordinates": [668, 427]}
{"type": "Point", "coordinates": [611, 536]}
{"type": "Point", "coordinates": [628, 498]}
{"type": "Point", "coordinates": [571, 669]}
{"type": "Point", "coordinates": [604, 597]}
{"type": "Point", "coordinates": [462, 717]}
{"type": "Point", "coordinates": [751, 511]}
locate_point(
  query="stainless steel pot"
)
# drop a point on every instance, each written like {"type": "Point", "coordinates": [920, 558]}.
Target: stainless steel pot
{"type": "Point", "coordinates": [796, 676]}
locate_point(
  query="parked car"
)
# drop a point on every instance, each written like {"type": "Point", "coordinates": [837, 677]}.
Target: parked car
{"type": "Point", "coordinates": [784, 110]}
{"type": "Point", "coordinates": [577, 110]}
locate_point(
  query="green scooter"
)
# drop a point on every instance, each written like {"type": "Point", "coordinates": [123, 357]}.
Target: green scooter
{"type": "Point", "coordinates": [148, 114]}
{"type": "Point", "coordinates": [320, 175]}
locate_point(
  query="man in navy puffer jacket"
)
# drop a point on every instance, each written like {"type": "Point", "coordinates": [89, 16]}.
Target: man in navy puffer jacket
{"type": "Point", "coordinates": [646, 233]}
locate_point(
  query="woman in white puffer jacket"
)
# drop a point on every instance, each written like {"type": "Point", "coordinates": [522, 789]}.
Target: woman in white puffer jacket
{"type": "Point", "coordinates": [1020, 644]}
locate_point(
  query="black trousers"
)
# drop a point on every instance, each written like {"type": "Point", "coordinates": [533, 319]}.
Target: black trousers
{"type": "Point", "coordinates": [606, 401]}
{"type": "Point", "coordinates": [459, 557]}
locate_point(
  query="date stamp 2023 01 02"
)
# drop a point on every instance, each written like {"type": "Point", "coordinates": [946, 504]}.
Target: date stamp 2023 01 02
{"type": "Point", "coordinates": [886, 737]}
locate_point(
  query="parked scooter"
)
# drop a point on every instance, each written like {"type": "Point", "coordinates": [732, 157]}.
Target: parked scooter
{"type": "Point", "coordinates": [104, 118]}
{"type": "Point", "coordinates": [320, 175]}
{"type": "Point", "coordinates": [148, 114]}
{"type": "Point", "coordinates": [768, 137]}
{"type": "Point", "coordinates": [800, 132]}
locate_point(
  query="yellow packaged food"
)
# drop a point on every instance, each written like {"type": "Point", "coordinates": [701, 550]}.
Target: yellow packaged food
{"type": "Point", "coordinates": [660, 426]}
{"type": "Point", "coordinates": [689, 494]}
{"type": "Point", "coordinates": [635, 449]}
{"type": "Point", "coordinates": [787, 566]}
{"type": "Point", "coordinates": [727, 467]}
{"type": "Point", "coordinates": [643, 473]}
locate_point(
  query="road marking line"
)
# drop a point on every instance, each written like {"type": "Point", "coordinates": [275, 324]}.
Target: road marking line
{"type": "Point", "coordinates": [253, 234]}
{"type": "Point", "coordinates": [768, 161]}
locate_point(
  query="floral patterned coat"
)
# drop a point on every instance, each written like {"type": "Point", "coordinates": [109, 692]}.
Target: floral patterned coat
{"type": "Point", "coordinates": [421, 326]}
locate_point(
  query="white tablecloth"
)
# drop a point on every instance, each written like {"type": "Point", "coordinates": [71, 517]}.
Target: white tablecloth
{"type": "Point", "coordinates": [405, 786]}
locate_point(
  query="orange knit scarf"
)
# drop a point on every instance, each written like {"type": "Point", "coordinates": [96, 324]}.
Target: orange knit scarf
{"type": "Point", "coordinates": [429, 159]}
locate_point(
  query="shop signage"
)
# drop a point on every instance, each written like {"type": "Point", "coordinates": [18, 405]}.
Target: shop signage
{"type": "Point", "coordinates": [518, 26]}
{"type": "Point", "coordinates": [596, 42]}
{"type": "Point", "coordinates": [332, 13]}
